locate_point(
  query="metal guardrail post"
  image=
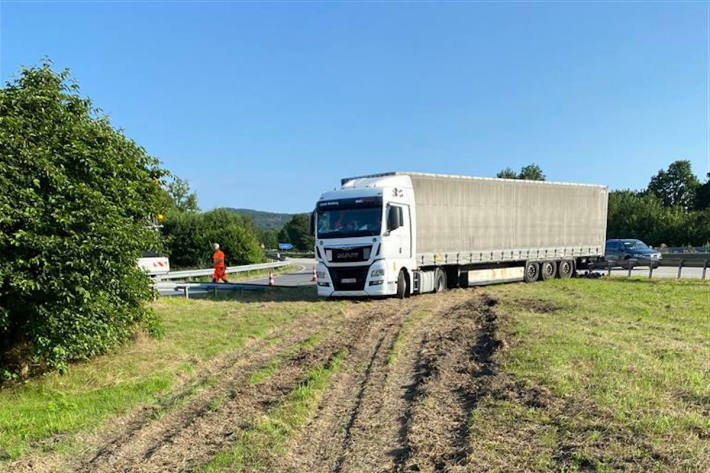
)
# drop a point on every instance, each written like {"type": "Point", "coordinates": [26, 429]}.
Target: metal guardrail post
{"type": "Point", "coordinates": [608, 269]}
{"type": "Point", "coordinates": [680, 267]}
{"type": "Point", "coordinates": [187, 292]}
{"type": "Point", "coordinates": [214, 291]}
{"type": "Point", "coordinates": [705, 268]}
{"type": "Point", "coordinates": [631, 266]}
{"type": "Point", "coordinates": [650, 271]}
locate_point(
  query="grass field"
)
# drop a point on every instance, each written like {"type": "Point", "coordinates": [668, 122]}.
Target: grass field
{"type": "Point", "coordinates": [42, 414]}
{"type": "Point", "coordinates": [574, 375]}
{"type": "Point", "coordinates": [600, 374]}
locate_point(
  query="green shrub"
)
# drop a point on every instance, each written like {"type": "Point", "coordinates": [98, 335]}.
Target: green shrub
{"type": "Point", "coordinates": [75, 200]}
{"type": "Point", "coordinates": [189, 238]}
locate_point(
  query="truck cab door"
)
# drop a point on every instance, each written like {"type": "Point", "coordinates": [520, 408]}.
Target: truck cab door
{"type": "Point", "coordinates": [398, 241]}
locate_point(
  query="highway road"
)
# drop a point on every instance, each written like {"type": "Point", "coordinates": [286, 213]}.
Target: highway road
{"type": "Point", "coordinates": [300, 274]}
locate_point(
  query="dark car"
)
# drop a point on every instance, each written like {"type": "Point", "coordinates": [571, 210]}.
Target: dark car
{"type": "Point", "coordinates": [625, 252]}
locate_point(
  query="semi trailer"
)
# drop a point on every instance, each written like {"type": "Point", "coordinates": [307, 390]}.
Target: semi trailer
{"type": "Point", "coordinates": [403, 233]}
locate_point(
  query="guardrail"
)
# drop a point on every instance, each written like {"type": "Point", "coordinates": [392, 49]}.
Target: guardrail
{"type": "Point", "coordinates": [680, 261]}
{"type": "Point", "coordinates": [193, 273]}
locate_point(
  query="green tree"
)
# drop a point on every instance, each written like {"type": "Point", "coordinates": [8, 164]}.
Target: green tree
{"type": "Point", "coordinates": [507, 173]}
{"type": "Point", "coordinates": [675, 186]}
{"type": "Point", "coordinates": [702, 195]}
{"type": "Point", "coordinates": [297, 232]}
{"type": "Point", "coordinates": [189, 238]}
{"type": "Point", "coordinates": [76, 197]}
{"type": "Point", "coordinates": [633, 215]}
{"type": "Point", "coordinates": [179, 192]}
{"type": "Point", "coordinates": [531, 172]}
{"type": "Point", "coordinates": [642, 215]}
{"type": "Point", "coordinates": [269, 238]}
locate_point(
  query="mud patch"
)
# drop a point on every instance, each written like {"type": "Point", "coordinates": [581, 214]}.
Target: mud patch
{"type": "Point", "coordinates": [538, 306]}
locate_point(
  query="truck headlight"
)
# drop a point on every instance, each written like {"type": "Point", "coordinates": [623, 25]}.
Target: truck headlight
{"type": "Point", "coordinates": [321, 274]}
{"type": "Point", "coordinates": [377, 272]}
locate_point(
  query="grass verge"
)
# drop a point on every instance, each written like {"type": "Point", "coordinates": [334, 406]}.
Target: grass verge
{"type": "Point", "coordinates": [268, 434]}
{"type": "Point", "coordinates": [599, 375]}
{"type": "Point", "coordinates": [45, 414]}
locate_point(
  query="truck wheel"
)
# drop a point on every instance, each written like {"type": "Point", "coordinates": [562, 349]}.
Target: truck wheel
{"type": "Point", "coordinates": [440, 281]}
{"type": "Point", "coordinates": [401, 285]}
{"type": "Point", "coordinates": [565, 269]}
{"type": "Point", "coordinates": [548, 269]}
{"type": "Point", "coordinates": [532, 271]}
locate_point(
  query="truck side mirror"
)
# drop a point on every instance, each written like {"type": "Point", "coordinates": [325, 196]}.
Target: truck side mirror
{"type": "Point", "coordinates": [394, 218]}
{"type": "Point", "coordinates": [312, 224]}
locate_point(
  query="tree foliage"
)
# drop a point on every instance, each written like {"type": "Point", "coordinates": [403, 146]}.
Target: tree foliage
{"type": "Point", "coordinates": [269, 238]}
{"type": "Point", "coordinates": [702, 195]}
{"type": "Point", "coordinates": [662, 214]}
{"type": "Point", "coordinates": [507, 173]}
{"type": "Point", "coordinates": [189, 238]}
{"type": "Point", "coordinates": [180, 195]}
{"type": "Point", "coordinates": [531, 172]}
{"type": "Point", "coordinates": [75, 199]}
{"type": "Point", "coordinates": [675, 186]}
{"type": "Point", "coordinates": [297, 232]}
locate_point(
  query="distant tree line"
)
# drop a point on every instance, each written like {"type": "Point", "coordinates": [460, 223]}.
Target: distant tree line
{"type": "Point", "coordinates": [673, 210]}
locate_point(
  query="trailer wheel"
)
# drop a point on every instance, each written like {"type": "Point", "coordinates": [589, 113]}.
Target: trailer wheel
{"type": "Point", "coordinates": [565, 268]}
{"type": "Point", "coordinates": [532, 271]}
{"type": "Point", "coordinates": [439, 281]}
{"type": "Point", "coordinates": [401, 285]}
{"type": "Point", "coordinates": [548, 269]}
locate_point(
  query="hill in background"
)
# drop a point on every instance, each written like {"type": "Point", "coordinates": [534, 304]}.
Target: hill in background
{"type": "Point", "coordinates": [265, 220]}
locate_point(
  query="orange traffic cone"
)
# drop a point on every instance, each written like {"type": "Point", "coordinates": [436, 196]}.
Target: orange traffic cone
{"type": "Point", "coordinates": [272, 282]}
{"type": "Point", "coordinates": [314, 278]}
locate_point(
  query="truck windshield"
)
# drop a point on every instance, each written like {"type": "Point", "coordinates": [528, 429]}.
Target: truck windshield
{"type": "Point", "coordinates": [349, 218]}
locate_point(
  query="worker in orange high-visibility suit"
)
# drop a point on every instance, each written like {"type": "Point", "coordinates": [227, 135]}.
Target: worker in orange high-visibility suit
{"type": "Point", "coordinates": [219, 267]}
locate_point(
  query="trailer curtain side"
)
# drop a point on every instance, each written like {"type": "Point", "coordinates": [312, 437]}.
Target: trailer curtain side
{"type": "Point", "coordinates": [483, 219]}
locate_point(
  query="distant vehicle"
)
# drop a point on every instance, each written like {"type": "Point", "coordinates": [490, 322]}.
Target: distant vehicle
{"type": "Point", "coordinates": [403, 233]}
{"type": "Point", "coordinates": [285, 246]}
{"type": "Point", "coordinates": [625, 252]}
{"type": "Point", "coordinates": [154, 264]}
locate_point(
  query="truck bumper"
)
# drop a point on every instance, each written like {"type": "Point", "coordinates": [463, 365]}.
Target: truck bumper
{"type": "Point", "coordinates": [372, 288]}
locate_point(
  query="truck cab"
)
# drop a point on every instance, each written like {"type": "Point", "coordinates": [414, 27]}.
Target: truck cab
{"type": "Point", "coordinates": [364, 237]}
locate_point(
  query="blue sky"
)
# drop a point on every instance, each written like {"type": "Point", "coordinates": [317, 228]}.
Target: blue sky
{"type": "Point", "coordinates": [266, 105]}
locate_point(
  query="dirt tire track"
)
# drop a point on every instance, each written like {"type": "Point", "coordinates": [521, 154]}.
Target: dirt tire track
{"type": "Point", "coordinates": [323, 444]}
{"type": "Point", "coordinates": [454, 369]}
{"type": "Point", "coordinates": [357, 426]}
{"type": "Point", "coordinates": [194, 434]}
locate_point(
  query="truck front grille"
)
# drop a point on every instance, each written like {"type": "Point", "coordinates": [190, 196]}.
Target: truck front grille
{"type": "Point", "coordinates": [351, 278]}
{"type": "Point", "coordinates": [351, 255]}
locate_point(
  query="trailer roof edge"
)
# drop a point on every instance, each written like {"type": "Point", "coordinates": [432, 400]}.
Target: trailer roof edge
{"type": "Point", "coordinates": [345, 180]}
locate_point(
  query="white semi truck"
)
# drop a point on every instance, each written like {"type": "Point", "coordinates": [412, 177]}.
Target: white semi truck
{"type": "Point", "coordinates": [403, 233]}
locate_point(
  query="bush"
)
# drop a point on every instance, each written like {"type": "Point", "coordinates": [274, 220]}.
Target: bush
{"type": "Point", "coordinates": [75, 199]}
{"type": "Point", "coordinates": [189, 238]}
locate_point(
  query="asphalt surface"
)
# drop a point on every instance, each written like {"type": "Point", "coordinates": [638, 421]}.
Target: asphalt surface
{"type": "Point", "coordinates": [301, 274]}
